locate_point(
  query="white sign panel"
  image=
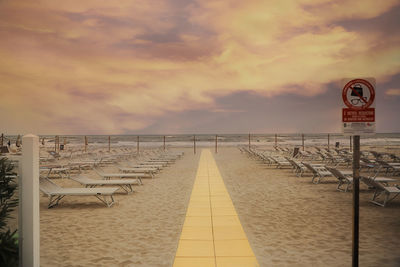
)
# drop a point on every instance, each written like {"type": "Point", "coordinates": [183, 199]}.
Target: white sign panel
{"type": "Point", "coordinates": [358, 112]}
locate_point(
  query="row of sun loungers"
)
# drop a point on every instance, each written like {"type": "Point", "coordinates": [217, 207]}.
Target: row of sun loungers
{"type": "Point", "coordinates": [322, 163]}
{"type": "Point", "coordinates": [124, 179]}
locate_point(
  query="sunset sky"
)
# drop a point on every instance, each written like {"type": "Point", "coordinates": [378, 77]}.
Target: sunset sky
{"type": "Point", "coordinates": [187, 66]}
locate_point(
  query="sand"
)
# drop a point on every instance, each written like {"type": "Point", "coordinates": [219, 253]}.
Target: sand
{"type": "Point", "coordinates": [288, 220]}
{"type": "Point", "coordinates": [291, 222]}
{"type": "Point", "coordinates": [142, 229]}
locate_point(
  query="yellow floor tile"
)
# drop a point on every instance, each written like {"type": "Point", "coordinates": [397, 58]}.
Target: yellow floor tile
{"type": "Point", "coordinates": [200, 198]}
{"type": "Point", "coordinates": [220, 198]}
{"type": "Point", "coordinates": [229, 233]}
{"type": "Point", "coordinates": [225, 221]}
{"type": "Point", "coordinates": [196, 233]}
{"type": "Point", "coordinates": [199, 204]}
{"type": "Point", "coordinates": [223, 211]}
{"type": "Point", "coordinates": [195, 248]}
{"type": "Point", "coordinates": [221, 204]}
{"type": "Point", "coordinates": [233, 248]}
{"type": "Point", "coordinates": [204, 221]}
{"type": "Point", "coordinates": [198, 212]}
{"type": "Point", "coordinates": [194, 262]}
{"type": "Point", "coordinates": [237, 262]}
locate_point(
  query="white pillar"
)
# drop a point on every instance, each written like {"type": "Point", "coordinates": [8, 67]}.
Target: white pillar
{"type": "Point", "coordinates": [29, 221]}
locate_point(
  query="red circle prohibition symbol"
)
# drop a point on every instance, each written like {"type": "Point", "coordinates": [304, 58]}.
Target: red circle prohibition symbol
{"type": "Point", "coordinates": [349, 86]}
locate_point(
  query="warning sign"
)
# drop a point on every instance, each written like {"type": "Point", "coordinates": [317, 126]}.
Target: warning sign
{"type": "Point", "coordinates": [358, 113]}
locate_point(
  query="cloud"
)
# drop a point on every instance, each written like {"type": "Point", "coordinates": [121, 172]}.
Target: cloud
{"type": "Point", "coordinates": [393, 92]}
{"type": "Point", "coordinates": [121, 66]}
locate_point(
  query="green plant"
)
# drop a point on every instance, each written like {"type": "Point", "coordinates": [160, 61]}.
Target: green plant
{"type": "Point", "coordinates": [8, 241]}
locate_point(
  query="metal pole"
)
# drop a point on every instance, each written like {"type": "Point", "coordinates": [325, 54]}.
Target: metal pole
{"type": "Point", "coordinates": [216, 144]}
{"type": "Point", "coordinates": [109, 143]}
{"type": "Point", "coordinates": [194, 144]}
{"type": "Point", "coordinates": [137, 145]}
{"type": "Point", "coordinates": [276, 140]}
{"type": "Point", "coordinates": [356, 198]}
{"type": "Point", "coordinates": [29, 216]}
{"type": "Point", "coordinates": [249, 141]}
{"type": "Point", "coordinates": [164, 142]}
{"type": "Point", "coordinates": [2, 140]}
{"type": "Point", "coordinates": [302, 140]}
{"type": "Point", "coordinates": [328, 142]}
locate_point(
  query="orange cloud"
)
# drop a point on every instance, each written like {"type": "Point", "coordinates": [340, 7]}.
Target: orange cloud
{"type": "Point", "coordinates": [393, 92]}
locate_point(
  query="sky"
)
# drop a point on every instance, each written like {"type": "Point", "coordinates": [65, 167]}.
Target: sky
{"type": "Point", "coordinates": [193, 66]}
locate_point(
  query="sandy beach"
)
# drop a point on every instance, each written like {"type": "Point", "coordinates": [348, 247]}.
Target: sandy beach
{"type": "Point", "coordinates": [288, 220]}
{"type": "Point", "coordinates": [291, 222]}
{"type": "Point", "coordinates": [141, 229]}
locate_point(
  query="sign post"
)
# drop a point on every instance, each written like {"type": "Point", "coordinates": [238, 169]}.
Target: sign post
{"type": "Point", "coordinates": [358, 118]}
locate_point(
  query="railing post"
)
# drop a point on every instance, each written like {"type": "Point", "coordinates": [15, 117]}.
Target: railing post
{"type": "Point", "coordinates": [350, 143]}
{"type": "Point", "coordinates": [249, 142]}
{"type": "Point", "coordinates": [109, 143]}
{"type": "Point", "coordinates": [328, 142]}
{"type": "Point", "coordinates": [194, 144]}
{"type": "Point", "coordinates": [302, 140]}
{"type": "Point", "coordinates": [137, 145]}
{"type": "Point", "coordinates": [276, 140]}
{"type": "Point", "coordinates": [29, 221]}
{"type": "Point", "coordinates": [216, 143]}
{"type": "Point", "coordinates": [86, 143]}
{"type": "Point", "coordinates": [164, 142]}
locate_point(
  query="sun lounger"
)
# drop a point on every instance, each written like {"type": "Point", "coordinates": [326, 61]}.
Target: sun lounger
{"type": "Point", "coordinates": [138, 176]}
{"type": "Point", "coordinates": [298, 167]}
{"type": "Point", "coordinates": [345, 178]}
{"type": "Point", "coordinates": [56, 169]}
{"type": "Point", "coordinates": [380, 190]}
{"type": "Point", "coordinates": [125, 184]}
{"type": "Point", "coordinates": [389, 166]}
{"type": "Point", "coordinates": [56, 193]}
{"type": "Point", "coordinates": [148, 164]}
{"type": "Point", "coordinates": [317, 171]}
{"type": "Point", "coordinates": [149, 170]}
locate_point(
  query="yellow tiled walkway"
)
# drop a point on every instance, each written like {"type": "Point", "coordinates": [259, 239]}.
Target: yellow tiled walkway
{"type": "Point", "coordinates": [212, 234]}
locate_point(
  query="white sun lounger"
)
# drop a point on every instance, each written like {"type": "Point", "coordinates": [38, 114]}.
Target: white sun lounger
{"type": "Point", "coordinates": [56, 193]}
{"type": "Point", "coordinates": [344, 177]}
{"type": "Point", "coordinates": [381, 189]}
{"type": "Point", "coordinates": [138, 176]}
{"type": "Point", "coordinates": [125, 184]}
{"type": "Point", "coordinates": [317, 171]}
{"type": "Point", "coordinates": [151, 171]}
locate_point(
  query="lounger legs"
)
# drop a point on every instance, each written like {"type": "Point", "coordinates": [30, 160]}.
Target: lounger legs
{"type": "Point", "coordinates": [104, 199]}
{"type": "Point", "coordinates": [385, 201]}
{"type": "Point", "coordinates": [53, 201]}
{"type": "Point", "coordinates": [108, 200]}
